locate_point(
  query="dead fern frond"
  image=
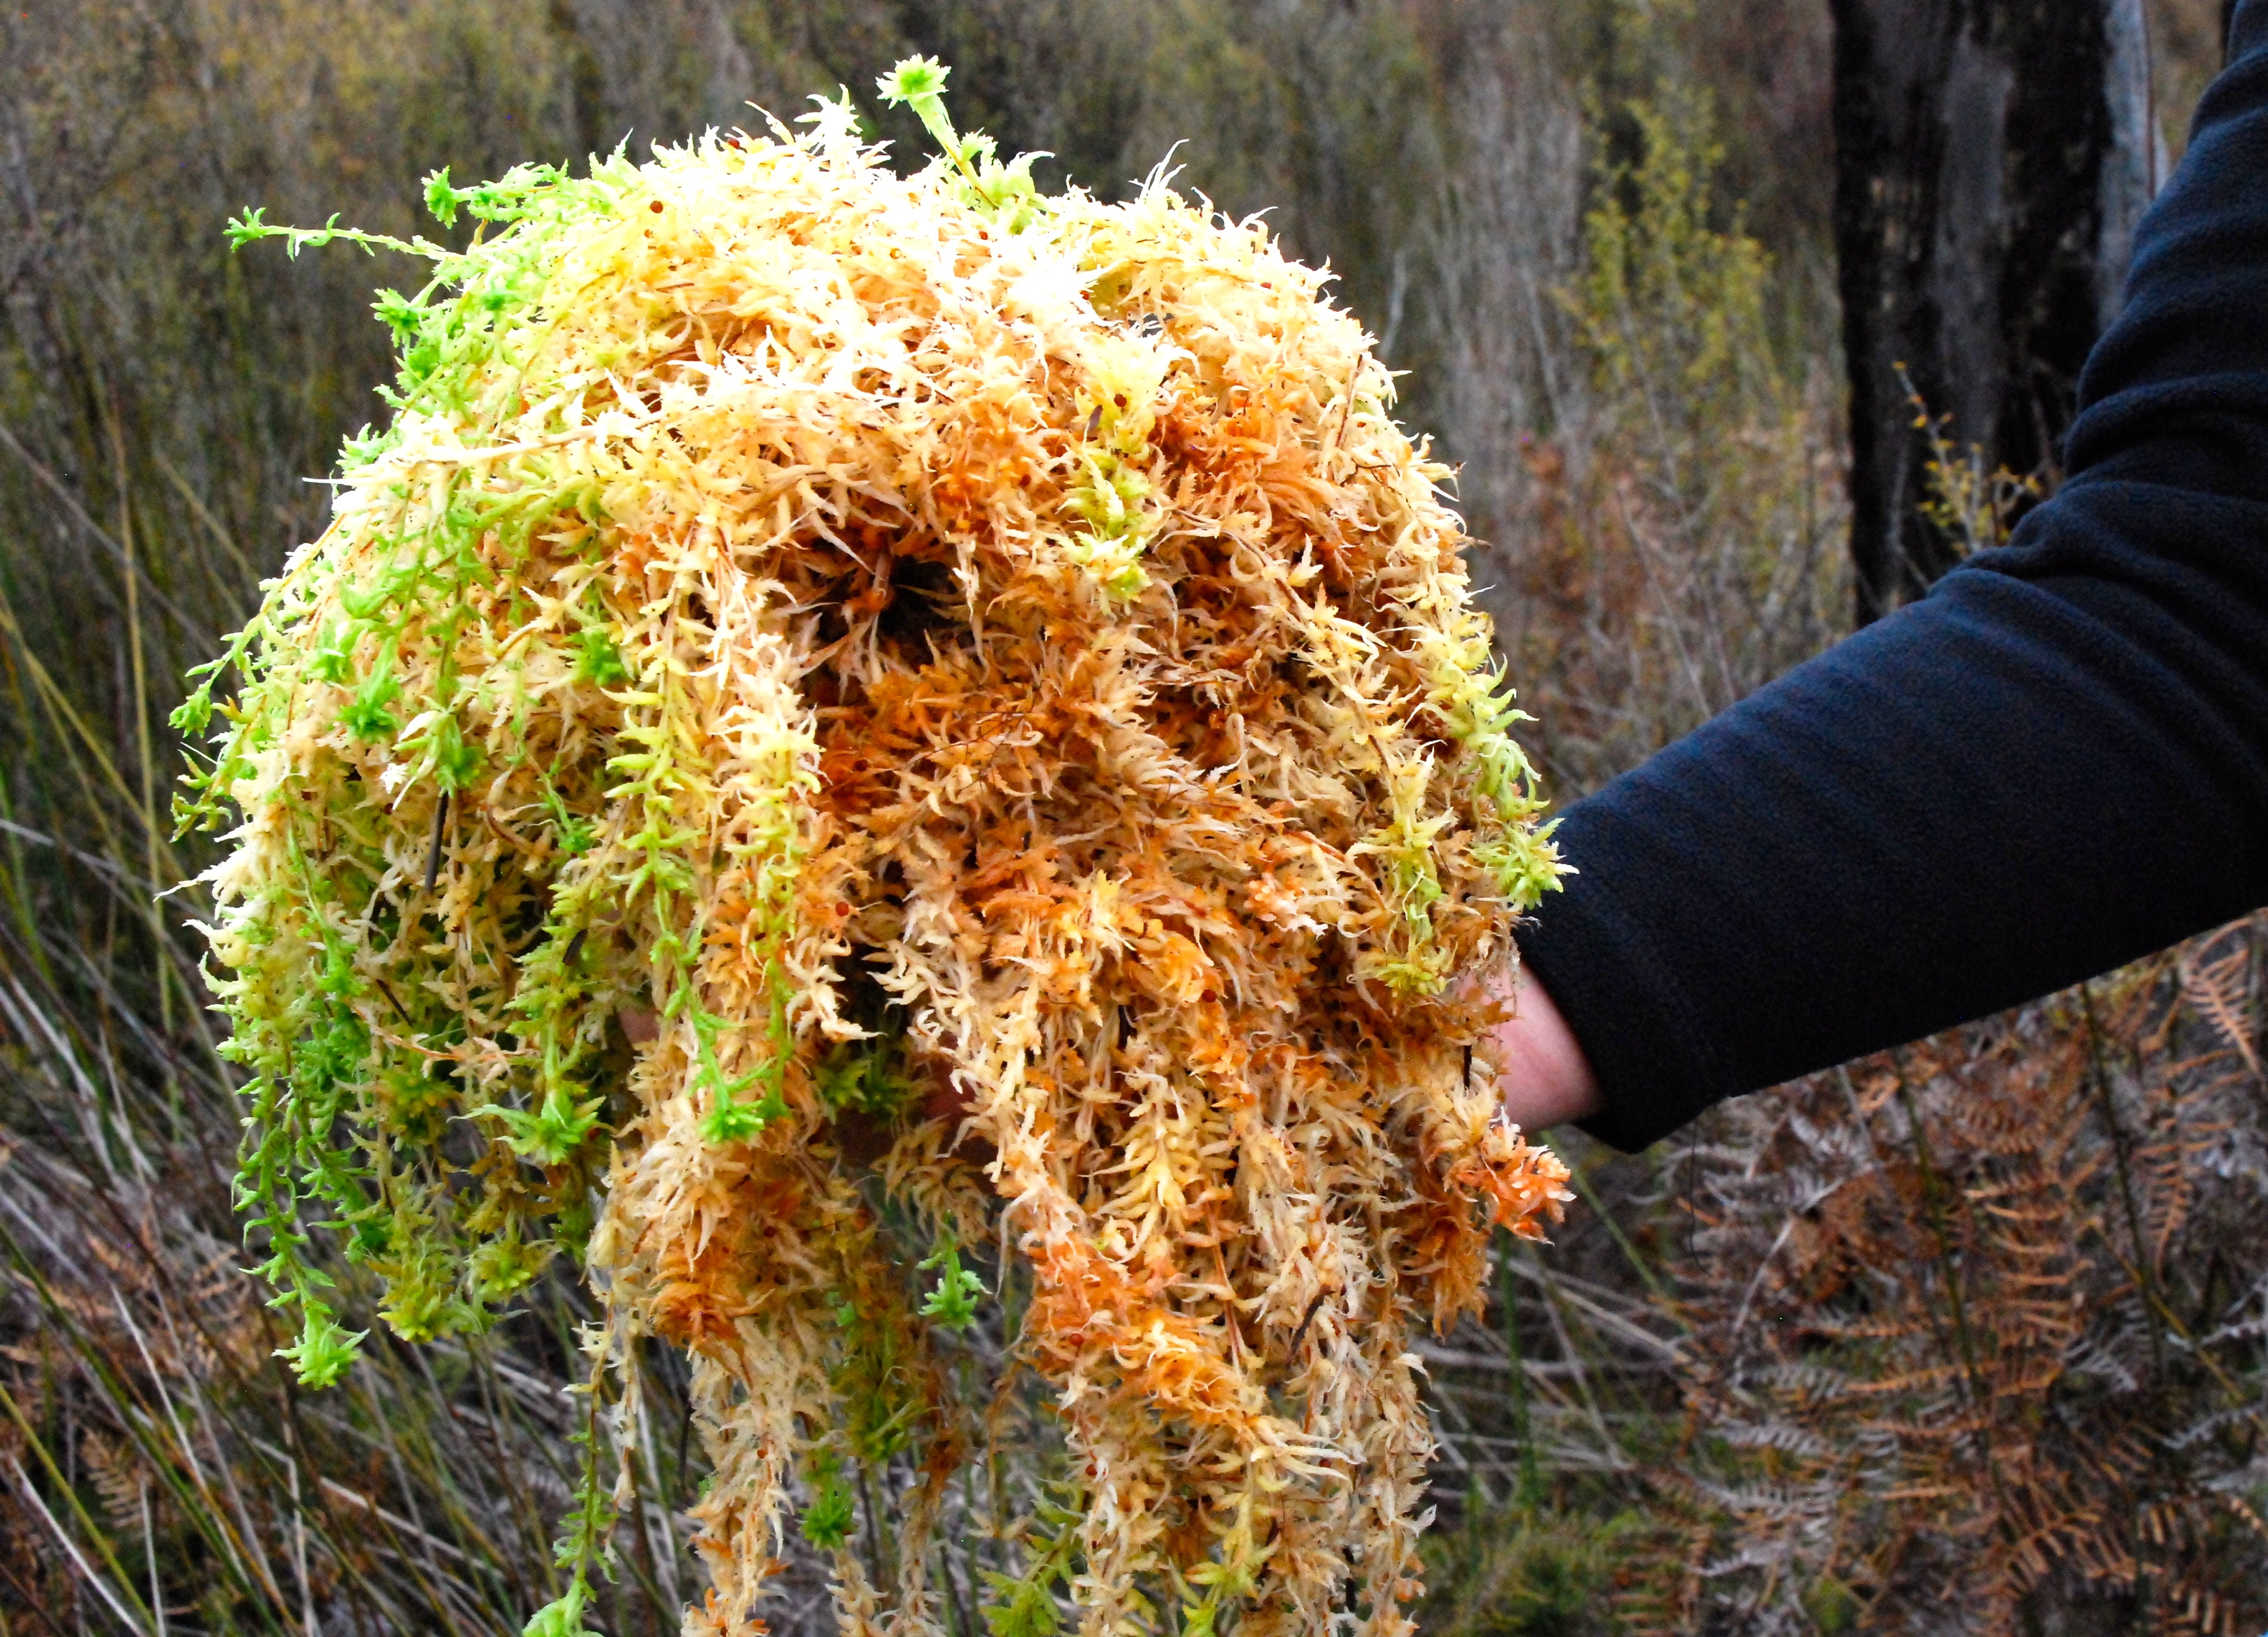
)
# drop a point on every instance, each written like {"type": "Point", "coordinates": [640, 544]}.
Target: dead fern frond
{"type": "Point", "coordinates": [1989, 1336]}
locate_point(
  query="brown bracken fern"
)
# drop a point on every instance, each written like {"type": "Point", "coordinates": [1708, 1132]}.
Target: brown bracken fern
{"type": "Point", "coordinates": [1977, 1324]}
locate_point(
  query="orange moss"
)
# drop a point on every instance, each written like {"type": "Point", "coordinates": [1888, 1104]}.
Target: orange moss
{"type": "Point", "coordinates": [1005, 699]}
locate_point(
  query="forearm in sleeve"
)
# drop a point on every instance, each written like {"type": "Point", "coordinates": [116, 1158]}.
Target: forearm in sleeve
{"type": "Point", "coordinates": [2054, 763]}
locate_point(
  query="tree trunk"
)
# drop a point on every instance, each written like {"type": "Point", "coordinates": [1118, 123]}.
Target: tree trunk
{"type": "Point", "coordinates": [1992, 159]}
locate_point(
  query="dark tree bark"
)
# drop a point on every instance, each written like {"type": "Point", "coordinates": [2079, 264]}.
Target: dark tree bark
{"type": "Point", "coordinates": [1992, 159]}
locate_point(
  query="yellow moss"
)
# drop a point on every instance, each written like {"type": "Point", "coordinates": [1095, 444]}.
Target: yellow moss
{"type": "Point", "coordinates": [822, 607]}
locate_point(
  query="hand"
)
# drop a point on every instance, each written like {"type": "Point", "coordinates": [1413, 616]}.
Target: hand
{"type": "Point", "coordinates": [1546, 1079]}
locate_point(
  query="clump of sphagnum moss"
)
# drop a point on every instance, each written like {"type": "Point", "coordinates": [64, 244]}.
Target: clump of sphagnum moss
{"type": "Point", "coordinates": [847, 720]}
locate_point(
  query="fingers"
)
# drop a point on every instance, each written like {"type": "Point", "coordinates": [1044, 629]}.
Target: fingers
{"type": "Point", "coordinates": [1546, 1079]}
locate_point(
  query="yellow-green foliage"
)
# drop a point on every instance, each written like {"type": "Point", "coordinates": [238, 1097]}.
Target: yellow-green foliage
{"type": "Point", "coordinates": [1672, 305]}
{"type": "Point", "coordinates": [1681, 538]}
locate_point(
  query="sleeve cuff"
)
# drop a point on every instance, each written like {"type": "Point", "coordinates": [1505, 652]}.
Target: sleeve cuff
{"type": "Point", "coordinates": [1655, 1067]}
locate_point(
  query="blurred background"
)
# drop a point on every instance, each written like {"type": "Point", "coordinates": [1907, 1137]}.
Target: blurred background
{"type": "Point", "coordinates": [1964, 1339]}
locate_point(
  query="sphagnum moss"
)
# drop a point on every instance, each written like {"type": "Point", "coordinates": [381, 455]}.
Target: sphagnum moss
{"type": "Point", "coordinates": [818, 650]}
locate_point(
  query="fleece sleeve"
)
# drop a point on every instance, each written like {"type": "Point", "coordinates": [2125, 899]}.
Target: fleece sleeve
{"type": "Point", "coordinates": [2054, 763]}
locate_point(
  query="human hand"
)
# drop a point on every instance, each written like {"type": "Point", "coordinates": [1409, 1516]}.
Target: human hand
{"type": "Point", "coordinates": [1545, 1078]}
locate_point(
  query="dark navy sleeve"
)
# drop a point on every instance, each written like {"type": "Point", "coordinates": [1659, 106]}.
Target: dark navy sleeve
{"type": "Point", "coordinates": [2054, 763]}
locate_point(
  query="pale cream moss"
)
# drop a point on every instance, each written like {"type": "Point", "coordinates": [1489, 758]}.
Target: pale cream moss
{"type": "Point", "coordinates": [819, 653]}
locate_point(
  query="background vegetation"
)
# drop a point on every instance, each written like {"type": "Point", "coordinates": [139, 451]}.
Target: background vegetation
{"type": "Point", "coordinates": [1968, 1338]}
